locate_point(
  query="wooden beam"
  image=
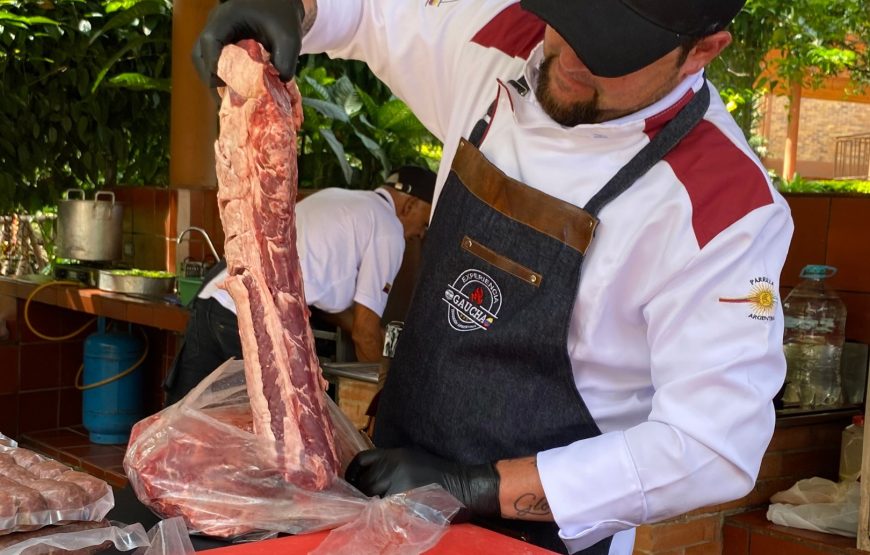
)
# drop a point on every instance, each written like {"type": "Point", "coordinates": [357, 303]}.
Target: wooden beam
{"type": "Point", "coordinates": [193, 114]}
{"type": "Point", "coordinates": [791, 140]}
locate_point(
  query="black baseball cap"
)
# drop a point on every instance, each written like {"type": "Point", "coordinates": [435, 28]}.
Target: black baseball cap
{"type": "Point", "coordinates": [415, 181]}
{"type": "Point", "coordinates": [617, 37]}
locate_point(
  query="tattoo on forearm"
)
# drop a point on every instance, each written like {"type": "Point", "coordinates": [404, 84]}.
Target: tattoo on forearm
{"type": "Point", "coordinates": [530, 504]}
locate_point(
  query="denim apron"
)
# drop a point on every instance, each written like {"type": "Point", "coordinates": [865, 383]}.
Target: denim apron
{"type": "Point", "coordinates": [481, 371]}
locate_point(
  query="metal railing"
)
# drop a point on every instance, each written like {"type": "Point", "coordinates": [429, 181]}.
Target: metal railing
{"type": "Point", "coordinates": [852, 157]}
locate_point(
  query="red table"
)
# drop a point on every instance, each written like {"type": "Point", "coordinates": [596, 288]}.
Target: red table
{"type": "Point", "coordinates": [459, 539]}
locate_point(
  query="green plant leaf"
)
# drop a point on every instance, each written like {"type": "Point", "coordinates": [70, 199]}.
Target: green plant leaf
{"type": "Point", "coordinates": [375, 149]}
{"type": "Point", "coordinates": [310, 84]}
{"type": "Point", "coordinates": [344, 94]}
{"type": "Point", "coordinates": [134, 44]}
{"type": "Point", "coordinates": [139, 82]}
{"type": "Point", "coordinates": [338, 150]}
{"type": "Point", "coordinates": [126, 17]}
{"type": "Point", "coordinates": [9, 17]}
{"type": "Point", "coordinates": [327, 108]}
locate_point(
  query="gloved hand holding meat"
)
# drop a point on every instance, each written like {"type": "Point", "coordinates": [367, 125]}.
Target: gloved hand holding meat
{"type": "Point", "coordinates": [257, 447]}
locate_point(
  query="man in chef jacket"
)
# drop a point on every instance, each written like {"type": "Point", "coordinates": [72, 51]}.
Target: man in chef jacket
{"type": "Point", "coordinates": [350, 244]}
{"type": "Point", "coordinates": [596, 335]}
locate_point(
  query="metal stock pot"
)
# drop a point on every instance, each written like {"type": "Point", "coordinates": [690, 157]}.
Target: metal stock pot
{"type": "Point", "coordinates": [89, 230]}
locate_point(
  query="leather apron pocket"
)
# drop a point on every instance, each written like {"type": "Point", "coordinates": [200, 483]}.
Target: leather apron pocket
{"type": "Point", "coordinates": [500, 261]}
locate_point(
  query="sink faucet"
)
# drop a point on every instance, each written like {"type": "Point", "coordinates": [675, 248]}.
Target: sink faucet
{"type": "Point", "coordinates": [207, 239]}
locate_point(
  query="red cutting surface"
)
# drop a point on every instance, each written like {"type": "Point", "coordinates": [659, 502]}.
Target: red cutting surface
{"type": "Point", "coordinates": [459, 539]}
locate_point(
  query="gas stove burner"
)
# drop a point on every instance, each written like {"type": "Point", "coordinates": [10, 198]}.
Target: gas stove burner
{"type": "Point", "coordinates": [85, 272]}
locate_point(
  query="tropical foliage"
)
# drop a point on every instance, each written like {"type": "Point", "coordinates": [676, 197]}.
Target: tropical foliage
{"type": "Point", "coordinates": [84, 96]}
{"type": "Point", "coordinates": [809, 39]}
{"type": "Point", "coordinates": [84, 103]}
{"type": "Point", "coordinates": [800, 185]}
{"type": "Point", "coordinates": [355, 131]}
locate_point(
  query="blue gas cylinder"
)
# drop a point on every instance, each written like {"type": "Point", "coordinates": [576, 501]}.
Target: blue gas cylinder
{"type": "Point", "coordinates": [110, 410]}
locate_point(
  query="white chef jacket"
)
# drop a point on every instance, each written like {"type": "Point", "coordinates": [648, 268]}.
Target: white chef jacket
{"type": "Point", "coordinates": [676, 334]}
{"type": "Point", "coordinates": [350, 247]}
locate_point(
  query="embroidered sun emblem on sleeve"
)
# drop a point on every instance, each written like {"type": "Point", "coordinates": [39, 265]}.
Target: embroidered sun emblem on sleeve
{"type": "Point", "coordinates": [762, 299]}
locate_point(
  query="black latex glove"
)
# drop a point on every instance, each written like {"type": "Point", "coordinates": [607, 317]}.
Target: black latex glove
{"type": "Point", "coordinates": [389, 471]}
{"type": "Point", "coordinates": [276, 24]}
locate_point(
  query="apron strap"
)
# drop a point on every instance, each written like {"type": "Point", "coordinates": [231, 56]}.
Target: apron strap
{"type": "Point", "coordinates": [482, 125]}
{"type": "Point", "coordinates": [655, 150]}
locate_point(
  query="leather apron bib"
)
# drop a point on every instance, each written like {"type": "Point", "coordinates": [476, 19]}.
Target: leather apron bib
{"type": "Point", "coordinates": [481, 371]}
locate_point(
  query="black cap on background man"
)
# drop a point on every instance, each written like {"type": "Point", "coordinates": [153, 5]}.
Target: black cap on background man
{"type": "Point", "coordinates": [415, 181]}
{"type": "Point", "coordinates": [617, 37]}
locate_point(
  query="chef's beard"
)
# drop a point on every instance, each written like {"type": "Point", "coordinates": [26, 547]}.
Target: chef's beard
{"type": "Point", "coordinates": [568, 115]}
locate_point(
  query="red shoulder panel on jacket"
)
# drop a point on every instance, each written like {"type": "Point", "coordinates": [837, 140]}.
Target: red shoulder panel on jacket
{"type": "Point", "coordinates": [723, 183]}
{"type": "Point", "coordinates": [514, 31]}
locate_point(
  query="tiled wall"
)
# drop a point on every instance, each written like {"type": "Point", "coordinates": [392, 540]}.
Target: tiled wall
{"type": "Point", "coordinates": [153, 219]}
{"type": "Point", "coordinates": [37, 375]}
{"type": "Point", "coordinates": [834, 230]}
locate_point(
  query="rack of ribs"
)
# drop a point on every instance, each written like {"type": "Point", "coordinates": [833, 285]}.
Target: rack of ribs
{"type": "Point", "coordinates": [257, 186]}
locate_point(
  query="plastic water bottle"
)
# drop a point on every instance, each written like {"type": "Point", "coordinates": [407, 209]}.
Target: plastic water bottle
{"type": "Point", "coordinates": [851, 449]}
{"type": "Point", "coordinates": [815, 327]}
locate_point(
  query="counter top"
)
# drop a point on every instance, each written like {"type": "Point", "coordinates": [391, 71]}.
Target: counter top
{"type": "Point", "coordinates": [117, 306]}
{"type": "Point", "coordinates": [459, 539]}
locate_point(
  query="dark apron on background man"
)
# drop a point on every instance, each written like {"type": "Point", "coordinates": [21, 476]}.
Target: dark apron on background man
{"type": "Point", "coordinates": [481, 371]}
{"type": "Point", "coordinates": [210, 339]}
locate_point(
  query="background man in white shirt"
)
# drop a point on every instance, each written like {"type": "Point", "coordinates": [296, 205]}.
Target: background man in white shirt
{"type": "Point", "coordinates": [350, 244]}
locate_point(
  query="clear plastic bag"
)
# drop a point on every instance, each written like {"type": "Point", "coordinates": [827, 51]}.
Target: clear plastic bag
{"type": "Point", "coordinates": [90, 540]}
{"type": "Point", "coordinates": [7, 441]}
{"type": "Point", "coordinates": [403, 524]}
{"type": "Point", "coordinates": [56, 494]}
{"type": "Point", "coordinates": [199, 459]}
{"type": "Point", "coordinates": [818, 504]}
{"type": "Point", "coordinates": [167, 537]}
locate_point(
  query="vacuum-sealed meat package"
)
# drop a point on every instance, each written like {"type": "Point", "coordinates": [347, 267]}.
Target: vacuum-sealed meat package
{"type": "Point", "coordinates": [37, 491]}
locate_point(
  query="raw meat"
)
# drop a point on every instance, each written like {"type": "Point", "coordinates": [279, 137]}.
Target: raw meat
{"type": "Point", "coordinates": [200, 460]}
{"type": "Point", "coordinates": [60, 495]}
{"type": "Point", "coordinates": [94, 488]}
{"type": "Point", "coordinates": [16, 473]}
{"type": "Point", "coordinates": [257, 174]}
{"type": "Point", "coordinates": [48, 469]}
{"type": "Point", "coordinates": [27, 500]}
{"type": "Point", "coordinates": [8, 506]}
{"type": "Point", "coordinates": [25, 457]}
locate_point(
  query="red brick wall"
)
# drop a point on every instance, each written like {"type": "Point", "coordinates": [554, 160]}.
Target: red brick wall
{"type": "Point", "coordinates": [37, 376]}
{"type": "Point", "coordinates": [821, 122]}
{"type": "Point", "coordinates": [799, 449]}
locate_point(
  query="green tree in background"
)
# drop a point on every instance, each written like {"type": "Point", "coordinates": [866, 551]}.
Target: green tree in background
{"type": "Point", "coordinates": [84, 103]}
{"type": "Point", "coordinates": [355, 130]}
{"type": "Point", "coordinates": [816, 39]}
{"type": "Point", "coordinates": [84, 96]}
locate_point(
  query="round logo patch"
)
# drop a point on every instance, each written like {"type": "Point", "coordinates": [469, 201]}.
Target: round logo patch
{"type": "Point", "coordinates": [474, 299]}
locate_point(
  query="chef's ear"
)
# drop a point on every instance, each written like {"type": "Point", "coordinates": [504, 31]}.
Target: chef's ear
{"type": "Point", "coordinates": [407, 205]}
